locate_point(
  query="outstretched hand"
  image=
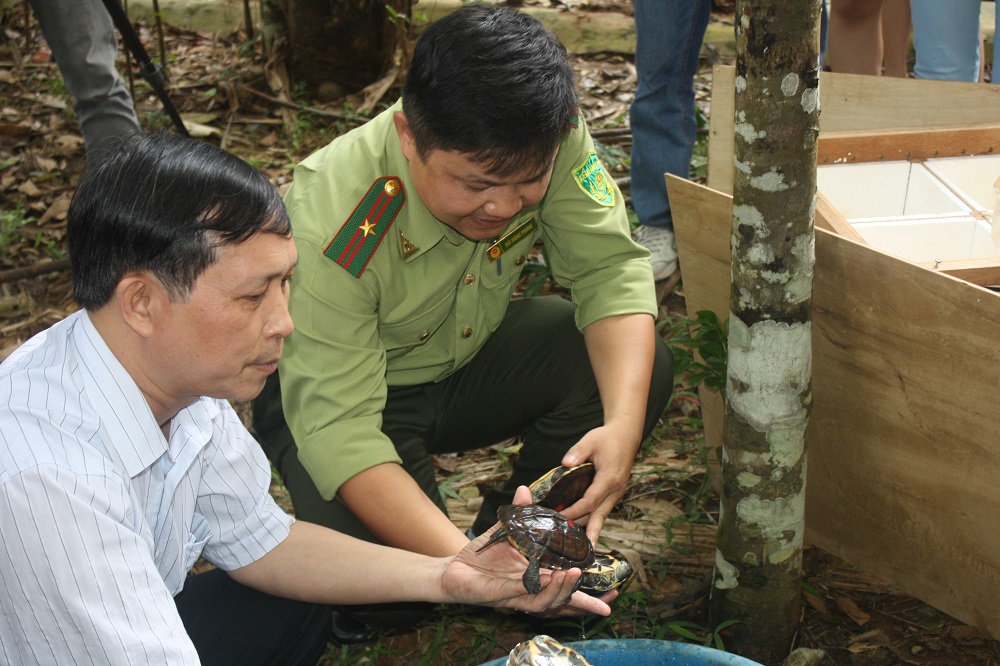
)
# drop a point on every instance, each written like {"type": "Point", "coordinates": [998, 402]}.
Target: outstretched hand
{"type": "Point", "coordinates": [493, 577]}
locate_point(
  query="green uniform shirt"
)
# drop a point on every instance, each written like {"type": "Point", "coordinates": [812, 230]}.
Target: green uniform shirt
{"type": "Point", "coordinates": [427, 298]}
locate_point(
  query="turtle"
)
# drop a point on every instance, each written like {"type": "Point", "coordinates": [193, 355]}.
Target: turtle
{"type": "Point", "coordinates": [545, 537]}
{"type": "Point", "coordinates": [562, 486]}
{"type": "Point", "coordinates": [544, 650]}
{"type": "Point", "coordinates": [606, 573]}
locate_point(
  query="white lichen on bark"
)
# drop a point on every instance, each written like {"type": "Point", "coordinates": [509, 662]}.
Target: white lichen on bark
{"type": "Point", "coordinates": [771, 362]}
{"type": "Point", "coordinates": [790, 84]}
{"type": "Point", "coordinates": [726, 574]}
{"type": "Point", "coordinates": [746, 130]}
{"type": "Point", "coordinates": [780, 522]}
{"type": "Point", "coordinates": [772, 181]}
{"type": "Point", "coordinates": [810, 100]}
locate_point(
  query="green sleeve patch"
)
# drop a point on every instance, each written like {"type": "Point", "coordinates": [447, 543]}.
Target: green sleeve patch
{"type": "Point", "coordinates": [594, 180]}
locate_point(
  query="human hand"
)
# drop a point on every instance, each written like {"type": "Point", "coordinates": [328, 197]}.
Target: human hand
{"type": "Point", "coordinates": [612, 456]}
{"type": "Point", "coordinates": [493, 577]}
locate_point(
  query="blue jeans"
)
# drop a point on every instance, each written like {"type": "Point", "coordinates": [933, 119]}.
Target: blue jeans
{"type": "Point", "coordinates": [668, 42]}
{"type": "Point", "coordinates": [946, 39]}
{"type": "Point", "coordinates": [81, 36]}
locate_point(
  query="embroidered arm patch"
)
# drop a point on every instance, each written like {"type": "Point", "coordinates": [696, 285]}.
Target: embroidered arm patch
{"type": "Point", "coordinates": [594, 180]}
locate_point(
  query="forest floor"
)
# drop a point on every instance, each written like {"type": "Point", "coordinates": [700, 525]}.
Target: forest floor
{"type": "Point", "coordinates": [666, 523]}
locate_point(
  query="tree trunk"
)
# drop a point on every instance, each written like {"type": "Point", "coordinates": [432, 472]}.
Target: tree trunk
{"type": "Point", "coordinates": [343, 46]}
{"type": "Point", "coordinates": [759, 556]}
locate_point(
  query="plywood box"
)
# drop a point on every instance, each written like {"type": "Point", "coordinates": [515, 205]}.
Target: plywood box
{"type": "Point", "coordinates": [904, 436]}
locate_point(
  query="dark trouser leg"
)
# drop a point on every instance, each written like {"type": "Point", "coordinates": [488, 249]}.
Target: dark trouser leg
{"type": "Point", "coordinates": [532, 378]}
{"type": "Point", "coordinates": [230, 623]}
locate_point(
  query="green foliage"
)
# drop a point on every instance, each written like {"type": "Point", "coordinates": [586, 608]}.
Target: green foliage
{"type": "Point", "coordinates": [699, 156]}
{"type": "Point", "coordinates": [447, 488]}
{"type": "Point", "coordinates": [612, 157]}
{"type": "Point", "coordinates": [12, 223]}
{"type": "Point", "coordinates": [536, 274]}
{"type": "Point", "coordinates": [695, 633]}
{"type": "Point", "coordinates": [709, 338]}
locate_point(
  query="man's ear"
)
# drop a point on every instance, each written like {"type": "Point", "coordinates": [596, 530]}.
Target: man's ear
{"type": "Point", "coordinates": [140, 297]}
{"type": "Point", "coordinates": [405, 135]}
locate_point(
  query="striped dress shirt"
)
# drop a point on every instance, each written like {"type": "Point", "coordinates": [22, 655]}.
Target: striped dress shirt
{"type": "Point", "coordinates": [101, 517]}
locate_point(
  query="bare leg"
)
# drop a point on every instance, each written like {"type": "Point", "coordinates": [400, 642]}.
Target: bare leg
{"type": "Point", "coordinates": [856, 37]}
{"type": "Point", "coordinates": [896, 37]}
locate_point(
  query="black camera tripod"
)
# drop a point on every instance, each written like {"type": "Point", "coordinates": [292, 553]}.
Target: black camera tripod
{"type": "Point", "coordinates": [153, 73]}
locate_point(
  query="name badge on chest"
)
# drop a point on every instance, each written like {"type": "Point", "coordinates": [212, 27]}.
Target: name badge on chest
{"type": "Point", "coordinates": [511, 238]}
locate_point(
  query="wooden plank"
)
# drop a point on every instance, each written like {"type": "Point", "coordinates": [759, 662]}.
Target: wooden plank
{"type": "Point", "coordinates": [852, 102]}
{"type": "Point", "coordinates": [982, 272]}
{"type": "Point", "coordinates": [831, 219]}
{"type": "Point", "coordinates": [847, 146]}
{"type": "Point", "coordinates": [903, 447]}
{"type": "Point", "coordinates": [855, 101]}
{"type": "Point", "coordinates": [721, 141]}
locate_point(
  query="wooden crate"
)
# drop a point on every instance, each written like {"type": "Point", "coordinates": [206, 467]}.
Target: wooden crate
{"type": "Point", "coordinates": [904, 436]}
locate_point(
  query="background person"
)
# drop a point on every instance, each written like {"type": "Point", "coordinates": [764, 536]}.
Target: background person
{"type": "Point", "coordinates": [81, 36]}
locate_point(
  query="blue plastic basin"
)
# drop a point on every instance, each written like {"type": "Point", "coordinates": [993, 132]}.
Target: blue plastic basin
{"type": "Point", "coordinates": [648, 652]}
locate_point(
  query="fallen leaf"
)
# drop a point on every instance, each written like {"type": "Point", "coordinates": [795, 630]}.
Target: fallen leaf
{"type": "Point", "coordinates": [57, 210]}
{"type": "Point", "coordinates": [30, 189]}
{"type": "Point", "coordinates": [857, 648]}
{"type": "Point", "coordinates": [201, 131]}
{"type": "Point", "coordinates": [46, 164]}
{"type": "Point", "coordinates": [851, 609]}
{"type": "Point", "coordinates": [815, 602]}
{"type": "Point", "coordinates": [53, 102]}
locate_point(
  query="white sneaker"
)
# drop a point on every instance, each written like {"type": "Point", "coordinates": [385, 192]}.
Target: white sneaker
{"type": "Point", "coordinates": [662, 247]}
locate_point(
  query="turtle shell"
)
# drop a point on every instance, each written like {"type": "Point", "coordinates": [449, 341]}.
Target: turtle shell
{"type": "Point", "coordinates": [606, 573]}
{"type": "Point", "coordinates": [562, 486]}
{"type": "Point", "coordinates": [544, 650]}
{"type": "Point", "coordinates": [546, 538]}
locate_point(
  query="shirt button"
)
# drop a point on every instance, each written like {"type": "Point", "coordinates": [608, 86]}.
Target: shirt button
{"type": "Point", "coordinates": [470, 278]}
{"type": "Point", "coordinates": [425, 335]}
{"type": "Point", "coordinates": [519, 260]}
{"type": "Point", "coordinates": [467, 332]}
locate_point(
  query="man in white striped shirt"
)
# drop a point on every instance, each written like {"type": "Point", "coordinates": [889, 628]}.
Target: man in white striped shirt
{"type": "Point", "coordinates": [122, 461]}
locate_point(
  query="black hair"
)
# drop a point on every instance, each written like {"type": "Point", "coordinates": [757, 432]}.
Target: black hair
{"type": "Point", "coordinates": [493, 83]}
{"type": "Point", "coordinates": [163, 203]}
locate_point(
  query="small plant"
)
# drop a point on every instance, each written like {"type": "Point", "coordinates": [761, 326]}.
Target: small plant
{"type": "Point", "coordinates": [709, 338]}
{"type": "Point", "coordinates": [536, 274]}
{"type": "Point", "coordinates": [691, 630]}
{"type": "Point", "coordinates": [447, 487]}
{"type": "Point", "coordinates": [12, 225]}
{"type": "Point", "coordinates": [699, 155]}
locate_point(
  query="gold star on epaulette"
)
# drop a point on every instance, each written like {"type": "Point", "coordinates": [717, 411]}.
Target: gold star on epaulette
{"type": "Point", "coordinates": [406, 247]}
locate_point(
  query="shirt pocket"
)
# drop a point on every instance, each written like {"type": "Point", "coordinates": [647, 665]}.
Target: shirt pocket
{"type": "Point", "coordinates": [413, 329]}
{"type": "Point", "coordinates": [499, 278]}
{"type": "Point", "coordinates": [197, 539]}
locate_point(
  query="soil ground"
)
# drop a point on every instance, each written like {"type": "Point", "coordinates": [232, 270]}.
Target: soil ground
{"type": "Point", "coordinates": [666, 523]}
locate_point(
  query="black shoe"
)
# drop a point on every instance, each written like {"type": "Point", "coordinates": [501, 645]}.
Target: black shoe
{"type": "Point", "coordinates": [348, 631]}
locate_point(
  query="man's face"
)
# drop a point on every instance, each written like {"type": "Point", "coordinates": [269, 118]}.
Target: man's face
{"type": "Point", "coordinates": [460, 193]}
{"type": "Point", "coordinates": [227, 337]}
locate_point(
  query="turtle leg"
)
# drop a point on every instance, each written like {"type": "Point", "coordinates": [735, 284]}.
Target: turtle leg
{"type": "Point", "coordinates": [500, 535]}
{"type": "Point", "coordinates": [532, 578]}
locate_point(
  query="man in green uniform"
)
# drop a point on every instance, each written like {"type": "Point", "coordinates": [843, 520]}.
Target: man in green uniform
{"type": "Point", "coordinates": [412, 232]}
